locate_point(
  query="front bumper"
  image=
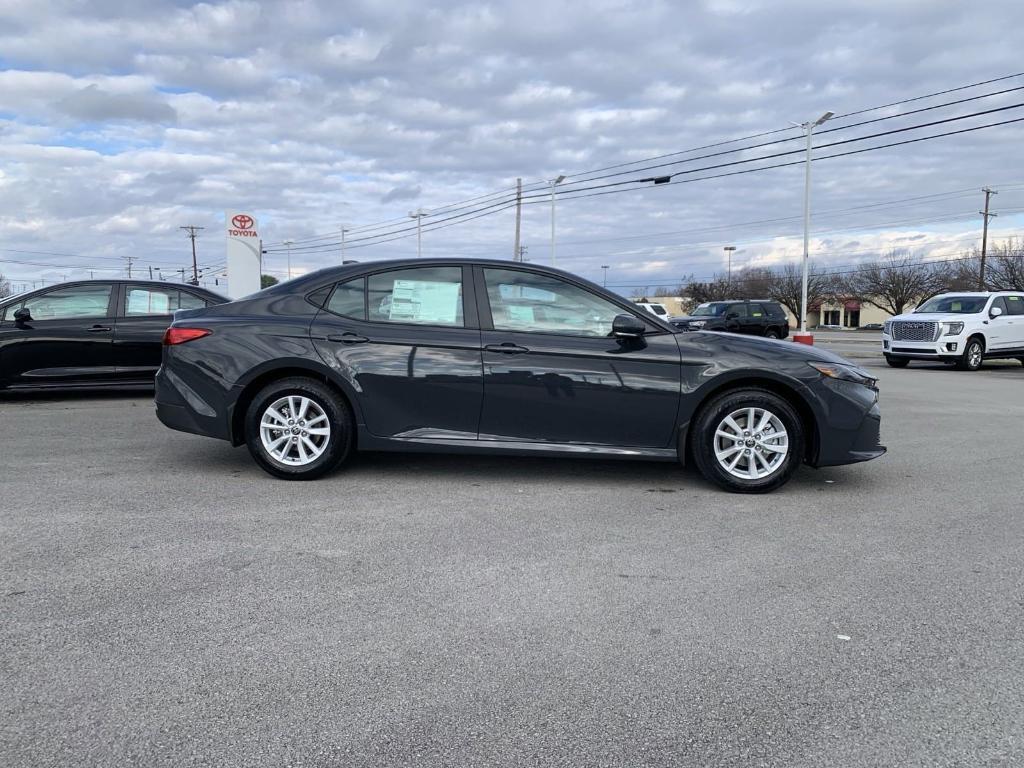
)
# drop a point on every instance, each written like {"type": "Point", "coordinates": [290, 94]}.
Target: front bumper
{"type": "Point", "coordinates": [851, 432]}
{"type": "Point", "coordinates": [947, 348]}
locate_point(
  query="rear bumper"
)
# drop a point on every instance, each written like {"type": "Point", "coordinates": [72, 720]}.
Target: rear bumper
{"type": "Point", "coordinates": [179, 407]}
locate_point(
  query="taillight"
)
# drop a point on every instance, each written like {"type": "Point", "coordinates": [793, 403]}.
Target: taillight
{"type": "Point", "coordinates": [181, 335]}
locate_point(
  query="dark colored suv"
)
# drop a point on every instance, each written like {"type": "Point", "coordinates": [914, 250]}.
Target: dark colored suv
{"type": "Point", "coordinates": [753, 317]}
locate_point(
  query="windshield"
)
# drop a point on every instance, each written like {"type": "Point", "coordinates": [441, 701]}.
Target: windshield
{"type": "Point", "coordinates": [712, 309]}
{"type": "Point", "coordinates": [960, 305]}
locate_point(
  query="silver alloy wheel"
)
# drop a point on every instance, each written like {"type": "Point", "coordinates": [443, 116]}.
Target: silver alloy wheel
{"type": "Point", "coordinates": [974, 354]}
{"type": "Point", "coordinates": [295, 430]}
{"type": "Point", "coordinates": [751, 443]}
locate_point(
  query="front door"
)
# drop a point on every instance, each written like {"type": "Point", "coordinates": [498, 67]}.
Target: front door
{"type": "Point", "coordinates": [404, 341]}
{"type": "Point", "coordinates": [553, 373]}
{"type": "Point", "coordinates": [1015, 313]}
{"type": "Point", "coordinates": [67, 338]}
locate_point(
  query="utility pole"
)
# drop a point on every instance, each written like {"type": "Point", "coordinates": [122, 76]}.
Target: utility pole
{"type": "Point", "coordinates": [984, 236]}
{"type": "Point", "coordinates": [151, 273]}
{"type": "Point", "coordinates": [522, 252]}
{"type": "Point", "coordinates": [195, 267]}
{"type": "Point", "coordinates": [343, 231]}
{"type": "Point", "coordinates": [519, 215]}
{"type": "Point", "coordinates": [182, 273]}
{"type": "Point", "coordinates": [130, 259]}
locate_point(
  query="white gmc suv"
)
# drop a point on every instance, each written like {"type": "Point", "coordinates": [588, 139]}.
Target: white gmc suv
{"type": "Point", "coordinates": [958, 328]}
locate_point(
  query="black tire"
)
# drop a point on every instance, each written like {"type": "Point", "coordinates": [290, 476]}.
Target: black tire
{"type": "Point", "coordinates": [702, 439]}
{"type": "Point", "coordinates": [339, 441]}
{"type": "Point", "coordinates": [897, 362]}
{"type": "Point", "coordinates": [771, 333]}
{"type": "Point", "coordinates": [973, 355]}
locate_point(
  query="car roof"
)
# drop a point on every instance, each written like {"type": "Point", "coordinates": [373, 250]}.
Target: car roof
{"type": "Point", "coordinates": [90, 281]}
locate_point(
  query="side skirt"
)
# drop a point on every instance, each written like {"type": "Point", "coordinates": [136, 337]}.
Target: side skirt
{"type": "Point", "coordinates": [512, 447]}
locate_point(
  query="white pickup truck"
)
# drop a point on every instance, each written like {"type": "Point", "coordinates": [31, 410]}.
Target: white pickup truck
{"type": "Point", "coordinates": [960, 328]}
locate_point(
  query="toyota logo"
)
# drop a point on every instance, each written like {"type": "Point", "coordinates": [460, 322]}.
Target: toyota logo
{"type": "Point", "coordinates": [241, 221]}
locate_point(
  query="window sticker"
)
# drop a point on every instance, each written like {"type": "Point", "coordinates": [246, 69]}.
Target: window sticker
{"type": "Point", "coordinates": [956, 306]}
{"type": "Point", "coordinates": [421, 301]}
{"type": "Point", "coordinates": [148, 303]}
{"type": "Point", "coordinates": [520, 314]}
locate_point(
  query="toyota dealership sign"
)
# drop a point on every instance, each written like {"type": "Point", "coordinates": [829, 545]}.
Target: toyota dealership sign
{"type": "Point", "coordinates": [243, 243]}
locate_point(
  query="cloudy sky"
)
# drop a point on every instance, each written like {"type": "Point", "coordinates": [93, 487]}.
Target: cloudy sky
{"type": "Point", "coordinates": [122, 121]}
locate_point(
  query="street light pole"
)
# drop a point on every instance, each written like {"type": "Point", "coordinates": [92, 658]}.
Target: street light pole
{"type": "Point", "coordinates": [554, 183]}
{"type": "Point", "coordinates": [343, 231]}
{"type": "Point", "coordinates": [728, 281]}
{"type": "Point", "coordinates": [809, 127]}
{"type": "Point", "coordinates": [418, 214]}
{"type": "Point", "coordinates": [288, 243]}
{"type": "Point", "coordinates": [605, 268]}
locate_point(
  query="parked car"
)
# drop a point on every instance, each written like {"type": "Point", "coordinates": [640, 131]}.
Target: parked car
{"type": "Point", "coordinates": [962, 328]}
{"type": "Point", "coordinates": [871, 327]}
{"type": "Point", "coordinates": [755, 318]}
{"type": "Point", "coordinates": [501, 357]}
{"type": "Point", "coordinates": [658, 310]}
{"type": "Point", "coordinates": [90, 333]}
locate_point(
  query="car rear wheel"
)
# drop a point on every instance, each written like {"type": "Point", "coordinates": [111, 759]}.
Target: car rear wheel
{"type": "Point", "coordinates": [897, 362]}
{"type": "Point", "coordinates": [972, 357]}
{"type": "Point", "coordinates": [771, 333]}
{"type": "Point", "coordinates": [747, 441]}
{"type": "Point", "coordinates": [298, 429]}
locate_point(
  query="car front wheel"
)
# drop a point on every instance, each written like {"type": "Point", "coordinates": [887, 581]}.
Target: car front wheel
{"type": "Point", "coordinates": [972, 357]}
{"type": "Point", "coordinates": [747, 441]}
{"type": "Point", "coordinates": [897, 362]}
{"type": "Point", "coordinates": [298, 429]}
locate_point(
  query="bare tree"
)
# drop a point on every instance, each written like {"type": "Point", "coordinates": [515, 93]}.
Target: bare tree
{"type": "Point", "coordinates": [716, 289]}
{"type": "Point", "coordinates": [787, 287]}
{"type": "Point", "coordinates": [1005, 268]}
{"type": "Point", "coordinates": [5, 286]}
{"type": "Point", "coordinates": [893, 282]}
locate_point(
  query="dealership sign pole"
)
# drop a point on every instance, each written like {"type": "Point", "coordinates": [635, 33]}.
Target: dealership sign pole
{"type": "Point", "coordinates": [243, 244]}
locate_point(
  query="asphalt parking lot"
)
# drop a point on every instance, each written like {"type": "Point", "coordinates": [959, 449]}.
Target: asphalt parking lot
{"type": "Point", "coordinates": [165, 603]}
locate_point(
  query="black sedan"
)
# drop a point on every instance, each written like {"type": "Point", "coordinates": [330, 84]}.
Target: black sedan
{"type": "Point", "coordinates": [90, 333]}
{"type": "Point", "coordinates": [501, 357]}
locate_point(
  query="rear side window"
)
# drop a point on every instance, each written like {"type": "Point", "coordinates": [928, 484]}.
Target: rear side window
{"type": "Point", "coordinates": [418, 296]}
{"type": "Point", "coordinates": [1014, 305]}
{"type": "Point", "coordinates": [757, 311]}
{"type": "Point", "coordinates": [774, 311]}
{"type": "Point", "coordinates": [145, 300]}
{"type": "Point", "coordinates": [349, 299]}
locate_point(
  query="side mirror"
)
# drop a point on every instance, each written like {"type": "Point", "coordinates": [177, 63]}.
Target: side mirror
{"type": "Point", "coordinates": [22, 315]}
{"type": "Point", "coordinates": [996, 312]}
{"type": "Point", "coordinates": [627, 327]}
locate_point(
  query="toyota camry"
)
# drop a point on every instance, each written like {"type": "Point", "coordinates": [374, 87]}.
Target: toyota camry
{"type": "Point", "coordinates": [502, 357]}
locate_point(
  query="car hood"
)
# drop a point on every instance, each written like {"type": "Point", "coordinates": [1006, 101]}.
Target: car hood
{"type": "Point", "coordinates": [933, 317]}
{"type": "Point", "coordinates": [688, 318]}
{"type": "Point", "coordinates": [774, 348]}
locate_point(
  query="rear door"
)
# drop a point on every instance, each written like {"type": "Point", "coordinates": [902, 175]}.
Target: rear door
{"type": "Point", "coordinates": [1015, 317]}
{"type": "Point", "coordinates": [144, 312]}
{"type": "Point", "coordinates": [553, 373]}
{"type": "Point", "coordinates": [408, 342]}
{"type": "Point", "coordinates": [757, 320]}
{"type": "Point", "coordinates": [67, 340]}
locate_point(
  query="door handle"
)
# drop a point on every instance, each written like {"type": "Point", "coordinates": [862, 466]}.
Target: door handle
{"type": "Point", "coordinates": [347, 338]}
{"type": "Point", "coordinates": [507, 348]}
{"type": "Point", "coordinates": [97, 329]}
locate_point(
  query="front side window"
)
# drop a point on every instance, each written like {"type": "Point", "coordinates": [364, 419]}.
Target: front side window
{"type": "Point", "coordinates": [419, 296]}
{"type": "Point", "coordinates": [147, 300]}
{"type": "Point", "coordinates": [78, 301]}
{"type": "Point", "coordinates": [524, 301]}
{"type": "Point", "coordinates": [958, 305]}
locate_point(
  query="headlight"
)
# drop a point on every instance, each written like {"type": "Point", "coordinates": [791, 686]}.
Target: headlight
{"type": "Point", "coordinates": [953, 329]}
{"type": "Point", "coordinates": [844, 373]}
{"type": "Point", "coordinates": [887, 327]}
